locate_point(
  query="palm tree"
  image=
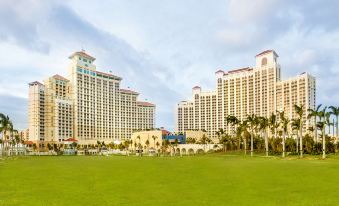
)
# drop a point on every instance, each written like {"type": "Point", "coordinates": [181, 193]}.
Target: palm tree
{"type": "Point", "coordinates": [138, 137]}
{"type": "Point", "coordinates": [126, 145]}
{"type": "Point", "coordinates": [154, 138]}
{"type": "Point", "coordinates": [314, 114]}
{"type": "Point", "coordinates": [295, 125]}
{"type": "Point", "coordinates": [300, 112]}
{"type": "Point", "coordinates": [147, 144]}
{"type": "Point", "coordinates": [284, 126]}
{"type": "Point", "coordinates": [17, 141]}
{"type": "Point", "coordinates": [204, 140]}
{"type": "Point", "coordinates": [252, 120]}
{"type": "Point", "coordinates": [263, 125]}
{"type": "Point", "coordinates": [6, 127]}
{"type": "Point", "coordinates": [233, 121]}
{"type": "Point", "coordinates": [321, 126]}
{"type": "Point", "coordinates": [242, 132]}
{"type": "Point", "coordinates": [273, 124]}
{"type": "Point", "coordinates": [157, 144]}
{"type": "Point", "coordinates": [335, 111]}
{"type": "Point", "coordinates": [222, 138]}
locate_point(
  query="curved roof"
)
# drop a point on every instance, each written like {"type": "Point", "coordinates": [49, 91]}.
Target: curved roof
{"type": "Point", "coordinates": [82, 53]}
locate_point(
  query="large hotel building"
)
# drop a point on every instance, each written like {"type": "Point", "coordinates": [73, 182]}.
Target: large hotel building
{"type": "Point", "coordinates": [252, 90]}
{"type": "Point", "coordinates": [89, 106]}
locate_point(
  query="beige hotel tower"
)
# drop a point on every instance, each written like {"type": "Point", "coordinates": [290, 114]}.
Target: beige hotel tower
{"type": "Point", "coordinates": [252, 90]}
{"type": "Point", "coordinates": [89, 106]}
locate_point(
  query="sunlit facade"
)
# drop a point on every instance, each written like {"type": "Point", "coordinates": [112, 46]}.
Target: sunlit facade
{"type": "Point", "coordinates": [252, 90]}
{"type": "Point", "coordinates": [88, 105]}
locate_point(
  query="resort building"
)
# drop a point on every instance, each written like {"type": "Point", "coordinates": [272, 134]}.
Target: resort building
{"type": "Point", "coordinates": [252, 90]}
{"type": "Point", "coordinates": [88, 105]}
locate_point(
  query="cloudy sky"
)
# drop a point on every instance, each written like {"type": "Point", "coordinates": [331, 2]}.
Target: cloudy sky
{"type": "Point", "coordinates": [164, 48]}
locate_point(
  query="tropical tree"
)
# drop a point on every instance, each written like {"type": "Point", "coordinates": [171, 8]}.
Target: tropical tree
{"type": "Point", "coordinates": [314, 113]}
{"type": "Point", "coordinates": [272, 123]}
{"type": "Point", "coordinates": [6, 127]}
{"type": "Point", "coordinates": [300, 112]}
{"type": "Point", "coordinates": [295, 125]}
{"type": "Point", "coordinates": [139, 145]}
{"type": "Point", "coordinates": [233, 121]}
{"type": "Point", "coordinates": [321, 126]}
{"type": "Point", "coordinates": [252, 121]}
{"type": "Point", "coordinates": [335, 111]}
{"type": "Point", "coordinates": [284, 127]}
{"type": "Point", "coordinates": [157, 144]}
{"type": "Point", "coordinates": [242, 132]}
{"type": "Point", "coordinates": [224, 140]}
{"type": "Point", "coordinates": [154, 138]}
{"type": "Point", "coordinates": [204, 140]}
{"type": "Point", "coordinates": [126, 145]}
{"type": "Point", "coordinates": [263, 125]}
{"type": "Point", "coordinates": [147, 145]}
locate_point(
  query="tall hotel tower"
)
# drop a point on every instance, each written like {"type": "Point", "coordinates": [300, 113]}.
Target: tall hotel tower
{"type": "Point", "coordinates": [252, 90]}
{"type": "Point", "coordinates": [89, 106]}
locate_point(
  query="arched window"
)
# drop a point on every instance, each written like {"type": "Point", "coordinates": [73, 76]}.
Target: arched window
{"type": "Point", "coordinates": [264, 61]}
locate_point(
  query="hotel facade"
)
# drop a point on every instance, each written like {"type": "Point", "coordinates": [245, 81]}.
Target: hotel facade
{"type": "Point", "coordinates": [88, 105]}
{"type": "Point", "coordinates": [255, 90]}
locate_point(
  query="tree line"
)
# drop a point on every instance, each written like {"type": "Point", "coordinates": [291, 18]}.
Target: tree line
{"type": "Point", "coordinates": [274, 134]}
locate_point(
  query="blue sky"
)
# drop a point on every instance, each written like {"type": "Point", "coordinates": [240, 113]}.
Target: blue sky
{"type": "Point", "coordinates": [164, 48]}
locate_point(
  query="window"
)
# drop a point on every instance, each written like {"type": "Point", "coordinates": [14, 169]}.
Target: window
{"type": "Point", "coordinates": [264, 61]}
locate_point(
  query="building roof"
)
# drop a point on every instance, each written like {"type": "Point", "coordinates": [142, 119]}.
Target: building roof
{"type": "Point", "coordinates": [70, 140]}
{"type": "Point", "coordinates": [35, 82]}
{"type": "Point", "coordinates": [239, 70]}
{"type": "Point", "coordinates": [220, 71]}
{"type": "Point", "coordinates": [165, 132]}
{"type": "Point", "coordinates": [28, 142]}
{"type": "Point", "coordinates": [82, 53]}
{"type": "Point", "coordinates": [266, 51]}
{"type": "Point", "coordinates": [196, 87]}
{"type": "Point", "coordinates": [57, 76]}
{"type": "Point", "coordinates": [145, 104]}
{"type": "Point", "coordinates": [128, 91]}
{"type": "Point", "coordinates": [108, 74]}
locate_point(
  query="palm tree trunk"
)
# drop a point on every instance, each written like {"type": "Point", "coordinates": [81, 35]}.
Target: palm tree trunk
{"type": "Point", "coordinates": [266, 144]}
{"type": "Point", "coordinates": [252, 143]}
{"type": "Point", "coordinates": [337, 136]}
{"type": "Point", "coordinates": [245, 146]}
{"type": "Point", "coordinates": [301, 141]}
{"type": "Point", "coordinates": [324, 145]}
{"type": "Point", "coordinates": [297, 141]}
{"type": "Point", "coordinates": [283, 154]}
{"type": "Point", "coordinates": [315, 129]}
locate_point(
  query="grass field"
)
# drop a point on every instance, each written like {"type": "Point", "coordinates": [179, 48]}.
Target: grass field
{"type": "Point", "coordinates": [198, 180]}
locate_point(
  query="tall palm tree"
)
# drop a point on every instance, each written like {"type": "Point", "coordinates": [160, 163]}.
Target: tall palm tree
{"type": "Point", "coordinates": [154, 138]}
{"type": "Point", "coordinates": [300, 112]}
{"type": "Point", "coordinates": [147, 145]}
{"type": "Point", "coordinates": [6, 127]}
{"type": "Point", "coordinates": [321, 126]}
{"type": "Point", "coordinates": [157, 144]}
{"type": "Point", "coordinates": [233, 121]}
{"type": "Point", "coordinates": [314, 113]}
{"type": "Point", "coordinates": [335, 111]}
{"type": "Point", "coordinates": [284, 126]}
{"type": "Point", "coordinates": [138, 137]}
{"type": "Point", "coordinates": [273, 124]}
{"type": "Point", "coordinates": [221, 136]}
{"type": "Point", "coordinates": [263, 125]}
{"type": "Point", "coordinates": [295, 125]}
{"type": "Point", "coordinates": [252, 121]}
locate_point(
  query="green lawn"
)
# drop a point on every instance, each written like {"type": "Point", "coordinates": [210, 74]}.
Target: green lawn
{"type": "Point", "coordinates": [198, 180]}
